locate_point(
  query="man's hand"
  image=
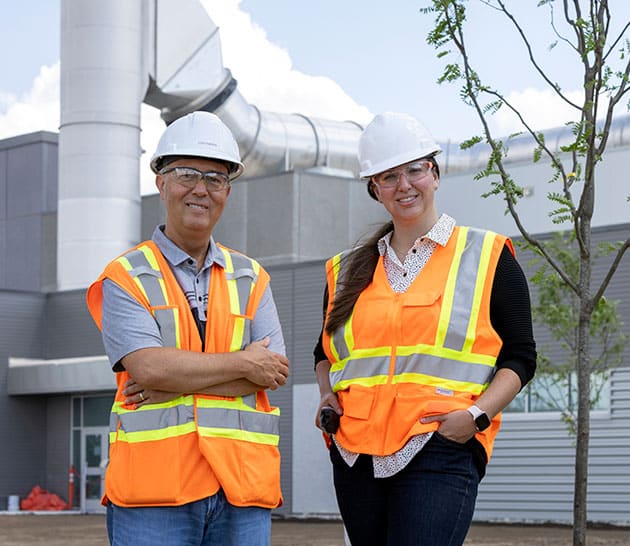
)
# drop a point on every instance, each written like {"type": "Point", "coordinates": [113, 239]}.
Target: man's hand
{"type": "Point", "coordinates": [265, 368]}
{"type": "Point", "coordinates": [137, 395]}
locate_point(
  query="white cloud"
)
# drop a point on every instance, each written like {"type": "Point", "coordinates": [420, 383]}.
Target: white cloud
{"type": "Point", "coordinates": [541, 109]}
{"type": "Point", "coordinates": [36, 110]}
{"type": "Point", "coordinates": [265, 72]}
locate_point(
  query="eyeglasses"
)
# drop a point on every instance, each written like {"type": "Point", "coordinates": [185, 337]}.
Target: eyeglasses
{"type": "Point", "coordinates": [189, 177]}
{"type": "Point", "coordinates": [413, 172]}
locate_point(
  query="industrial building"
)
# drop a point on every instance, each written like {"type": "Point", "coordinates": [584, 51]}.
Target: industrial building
{"type": "Point", "coordinates": [70, 202]}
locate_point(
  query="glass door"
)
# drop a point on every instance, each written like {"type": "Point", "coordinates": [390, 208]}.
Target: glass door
{"type": "Point", "coordinates": [94, 448]}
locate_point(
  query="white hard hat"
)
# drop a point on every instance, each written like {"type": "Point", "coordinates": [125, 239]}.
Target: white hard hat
{"type": "Point", "coordinates": [392, 139]}
{"type": "Point", "coordinates": [199, 134]}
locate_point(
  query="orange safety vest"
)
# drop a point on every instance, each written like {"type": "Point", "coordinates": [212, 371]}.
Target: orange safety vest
{"type": "Point", "coordinates": [427, 351]}
{"type": "Point", "coordinates": [184, 450]}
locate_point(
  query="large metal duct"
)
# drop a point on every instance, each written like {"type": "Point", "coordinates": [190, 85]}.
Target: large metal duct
{"type": "Point", "coordinates": [103, 82]}
{"type": "Point", "coordinates": [188, 74]}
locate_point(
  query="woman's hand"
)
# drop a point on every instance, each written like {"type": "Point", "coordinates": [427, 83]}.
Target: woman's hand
{"type": "Point", "coordinates": [138, 396]}
{"type": "Point", "coordinates": [458, 426]}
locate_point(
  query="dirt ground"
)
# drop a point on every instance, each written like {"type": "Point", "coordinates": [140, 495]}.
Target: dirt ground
{"type": "Point", "coordinates": [89, 530]}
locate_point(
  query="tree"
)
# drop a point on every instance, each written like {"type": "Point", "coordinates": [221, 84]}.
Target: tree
{"type": "Point", "coordinates": [583, 27]}
{"type": "Point", "coordinates": [557, 309]}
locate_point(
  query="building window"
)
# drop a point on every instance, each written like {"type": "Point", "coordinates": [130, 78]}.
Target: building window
{"type": "Point", "coordinates": [547, 393]}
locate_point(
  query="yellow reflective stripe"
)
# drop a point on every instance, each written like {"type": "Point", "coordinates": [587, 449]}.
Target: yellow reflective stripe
{"type": "Point", "coordinates": [363, 381]}
{"type": "Point", "coordinates": [348, 336]}
{"type": "Point", "coordinates": [335, 267]}
{"type": "Point", "coordinates": [231, 284]}
{"type": "Point", "coordinates": [482, 273]}
{"type": "Point", "coordinates": [234, 434]}
{"type": "Point", "coordinates": [237, 334]}
{"type": "Point", "coordinates": [358, 354]}
{"type": "Point", "coordinates": [148, 254]}
{"type": "Point", "coordinates": [160, 434]}
{"type": "Point", "coordinates": [128, 267]}
{"type": "Point", "coordinates": [449, 289]}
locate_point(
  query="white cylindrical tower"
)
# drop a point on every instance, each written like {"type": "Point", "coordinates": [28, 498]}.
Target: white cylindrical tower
{"type": "Point", "coordinates": [103, 81]}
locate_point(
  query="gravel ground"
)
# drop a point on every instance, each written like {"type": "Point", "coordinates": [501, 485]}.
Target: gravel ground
{"type": "Point", "coordinates": [54, 529]}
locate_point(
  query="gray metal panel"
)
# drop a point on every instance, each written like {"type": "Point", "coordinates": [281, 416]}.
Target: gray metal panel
{"type": "Point", "coordinates": [25, 176]}
{"type": "Point", "coordinates": [3, 254]}
{"type": "Point", "coordinates": [153, 214]}
{"type": "Point", "coordinates": [48, 264]}
{"type": "Point", "coordinates": [282, 288]}
{"type": "Point", "coordinates": [58, 427]}
{"type": "Point", "coordinates": [23, 266]}
{"type": "Point", "coordinates": [3, 185]}
{"type": "Point", "coordinates": [310, 280]}
{"type": "Point", "coordinates": [530, 476]}
{"type": "Point", "coordinates": [22, 421]}
{"type": "Point", "coordinates": [49, 176]}
{"type": "Point", "coordinates": [71, 330]}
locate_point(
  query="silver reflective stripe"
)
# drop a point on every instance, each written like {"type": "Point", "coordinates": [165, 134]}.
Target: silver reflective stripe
{"type": "Point", "coordinates": [149, 277]}
{"type": "Point", "coordinates": [247, 333]}
{"type": "Point", "coordinates": [113, 421]}
{"type": "Point", "coordinates": [238, 420]}
{"type": "Point", "coordinates": [357, 368]}
{"type": "Point", "coordinates": [150, 280]}
{"type": "Point", "coordinates": [250, 400]}
{"type": "Point", "coordinates": [439, 366]}
{"type": "Point", "coordinates": [425, 364]}
{"type": "Point", "coordinates": [151, 418]}
{"type": "Point", "coordinates": [244, 276]}
{"type": "Point", "coordinates": [462, 311]}
{"type": "Point", "coordinates": [343, 351]}
{"type": "Point", "coordinates": [165, 319]}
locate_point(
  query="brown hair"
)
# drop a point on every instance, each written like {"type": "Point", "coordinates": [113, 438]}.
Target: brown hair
{"type": "Point", "coordinates": [359, 265]}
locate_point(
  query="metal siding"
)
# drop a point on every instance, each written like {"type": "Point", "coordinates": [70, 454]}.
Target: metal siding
{"type": "Point", "coordinates": [309, 289]}
{"type": "Point", "coordinates": [58, 442]}
{"type": "Point", "coordinates": [22, 419]}
{"type": "Point", "coordinates": [282, 288]}
{"type": "Point", "coordinates": [71, 330]}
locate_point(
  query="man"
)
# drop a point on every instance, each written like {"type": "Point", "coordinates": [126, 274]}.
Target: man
{"type": "Point", "coordinates": [192, 332]}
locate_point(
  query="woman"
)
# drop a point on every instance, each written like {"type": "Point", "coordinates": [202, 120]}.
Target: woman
{"type": "Point", "coordinates": [427, 337]}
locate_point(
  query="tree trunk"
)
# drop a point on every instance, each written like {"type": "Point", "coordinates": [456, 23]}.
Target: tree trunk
{"type": "Point", "coordinates": [583, 414]}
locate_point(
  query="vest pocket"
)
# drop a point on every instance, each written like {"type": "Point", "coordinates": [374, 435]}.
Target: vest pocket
{"type": "Point", "coordinates": [358, 402]}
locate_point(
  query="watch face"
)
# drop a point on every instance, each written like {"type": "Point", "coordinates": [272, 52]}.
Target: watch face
{"type": "Point", "coordinates": [482, 422]}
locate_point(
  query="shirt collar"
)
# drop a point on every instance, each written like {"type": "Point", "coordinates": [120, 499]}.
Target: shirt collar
{"type": "Point", "coordinates": [176, 256]}
{"type": "Point", "coordinates": [440, 233]}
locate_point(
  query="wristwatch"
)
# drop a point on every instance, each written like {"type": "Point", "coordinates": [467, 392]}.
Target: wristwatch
{"type": "Point", "coordinates": [482, 421]}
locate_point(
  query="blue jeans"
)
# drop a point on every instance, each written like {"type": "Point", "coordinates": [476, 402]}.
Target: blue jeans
{"type": "Point", "coordinates": [428, 503]}
{"type": "Point", "coordinates": [207, 522]}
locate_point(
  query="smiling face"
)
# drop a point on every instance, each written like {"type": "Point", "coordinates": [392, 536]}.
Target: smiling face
{"type": "Point", "coordinates": [411, 201]}
{"type": "Point", "coordinates": [191, 213]}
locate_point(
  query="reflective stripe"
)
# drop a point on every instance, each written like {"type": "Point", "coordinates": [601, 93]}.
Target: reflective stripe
{"type": "Point", "coordinates": [154, 421]}
{"type": "Point", "coordinates": [471, 264]}
{"type": "Point", "coordinates": [241, 274]}
{"type": "Point", "coordinates": [143, 267]}
{"type": "Point", "coordinates": [251, 421]}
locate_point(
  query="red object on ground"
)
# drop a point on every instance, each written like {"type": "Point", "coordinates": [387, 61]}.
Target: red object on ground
{"type": "Point", "coordinates": [40, 499]}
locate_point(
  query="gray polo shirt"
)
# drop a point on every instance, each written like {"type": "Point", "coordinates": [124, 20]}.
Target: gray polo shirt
{"type": "Point", "coordinates": [128, 326]}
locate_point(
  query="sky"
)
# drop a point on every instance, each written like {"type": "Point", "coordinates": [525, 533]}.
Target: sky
{"type": "Point", "coordinates": [348, 59]}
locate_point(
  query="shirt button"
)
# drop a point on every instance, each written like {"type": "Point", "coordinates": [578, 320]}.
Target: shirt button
{"type": "Point", "coordinates": [414, 250]}
{"type": "Point", "coordinates": [405, 274]}
{"type": "Point", "coordinates": [197, 281]}
{"type": "Point", "coordinates": [199, 298]}
{"type": "Point", "coordinates": [190, 262]}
